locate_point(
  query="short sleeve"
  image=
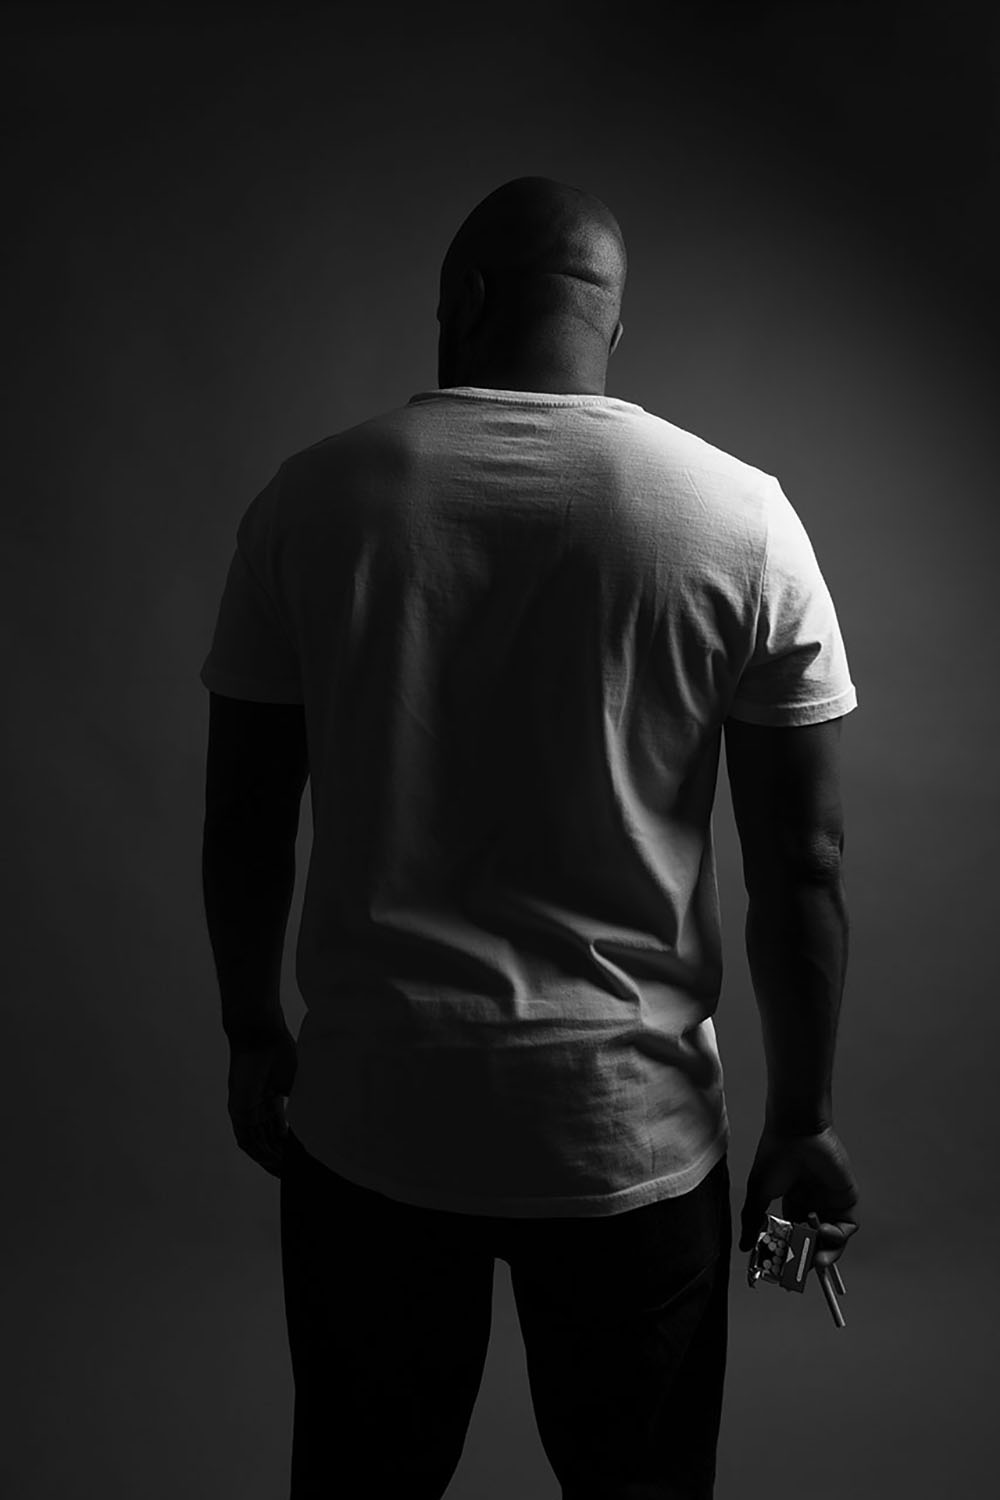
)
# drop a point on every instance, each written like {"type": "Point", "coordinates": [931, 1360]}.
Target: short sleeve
{"type": "Point", "coordinates": [797, 672]}
{"type": "Point", "coordinates": [253, 654]}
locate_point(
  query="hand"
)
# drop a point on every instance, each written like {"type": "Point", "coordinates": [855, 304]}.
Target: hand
{"type": "Point", "coordinates": [260, 1079]}
{"type": "Point", "coordinates": [811, 1173]}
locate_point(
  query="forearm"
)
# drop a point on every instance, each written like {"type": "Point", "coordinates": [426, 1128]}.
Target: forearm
{"type": "Point", "coordinates": [797, 945]}
{"type": "Point", "coordinates": [248, 886]}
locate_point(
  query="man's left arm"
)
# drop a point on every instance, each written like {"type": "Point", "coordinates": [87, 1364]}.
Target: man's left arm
{"type": "Point", "coordinates": [257, 768]}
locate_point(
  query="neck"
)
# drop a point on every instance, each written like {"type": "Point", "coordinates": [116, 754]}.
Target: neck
{"type": "Point", "coordinates": [555, 381]}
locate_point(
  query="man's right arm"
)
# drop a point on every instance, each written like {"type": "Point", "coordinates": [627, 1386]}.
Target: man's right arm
{"type": "Point", "coordinates": [785, 786]}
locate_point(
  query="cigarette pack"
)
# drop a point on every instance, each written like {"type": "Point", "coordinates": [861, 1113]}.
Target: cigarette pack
{"type": "Point", "coordinates": [784, 1254]}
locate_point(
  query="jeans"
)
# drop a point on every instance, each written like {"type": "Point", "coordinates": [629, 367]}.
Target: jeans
{"type": "Point", "coordinates": [388, 1306]}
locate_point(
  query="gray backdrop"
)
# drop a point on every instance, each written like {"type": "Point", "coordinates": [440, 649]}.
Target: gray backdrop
{"type": "Point", "coordinates": [224, 240]}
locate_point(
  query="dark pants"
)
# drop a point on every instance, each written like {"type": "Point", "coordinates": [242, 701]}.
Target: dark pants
{"type": "Point", "coordinates": [624, 1322]}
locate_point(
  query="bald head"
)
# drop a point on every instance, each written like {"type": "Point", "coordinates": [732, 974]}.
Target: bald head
{"type": "Point", "coordinates": [531, 290]}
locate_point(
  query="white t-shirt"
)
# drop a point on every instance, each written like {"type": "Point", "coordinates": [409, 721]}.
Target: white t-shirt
{"type": "Point", "coordinates": [517, 621]}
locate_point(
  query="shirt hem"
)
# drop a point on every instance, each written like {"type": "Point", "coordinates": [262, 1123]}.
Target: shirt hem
{"type": "Point", "coordinates": [792, 715]}
{"type": "Point", "coordinates": [248, 689]}
{"type": "Point", "coordinates": [585, 1205]}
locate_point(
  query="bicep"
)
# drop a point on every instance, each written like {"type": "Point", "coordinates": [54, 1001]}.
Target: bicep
{"type": "Point", "coordinates": [785, 784]}
{"type": "Point", "coordinates": [258, 758]}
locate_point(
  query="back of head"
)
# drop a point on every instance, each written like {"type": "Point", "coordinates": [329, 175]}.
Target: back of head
{"type": "Point", "coordinates": [553, 262]}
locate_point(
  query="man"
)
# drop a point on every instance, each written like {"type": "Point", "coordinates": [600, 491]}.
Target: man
{"type": "Point", "coordinates": [502, 631]}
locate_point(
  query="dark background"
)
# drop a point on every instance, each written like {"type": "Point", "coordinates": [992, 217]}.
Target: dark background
{"type": "Point", "coordinates": [223, 242]}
